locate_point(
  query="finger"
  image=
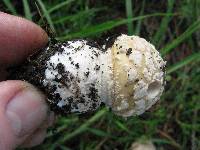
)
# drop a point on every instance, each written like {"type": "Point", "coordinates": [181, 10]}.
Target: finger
{"type": "Point", "coordinates": [35, 139]}
{"type": "Point", "coordinates": [19, 38]}
{"type": "Point", "coordinates": [50, 120]}
{"type": "Point", "coordinates": [39, 135]}
{"type": "Point", "coordinates": [22, 110]}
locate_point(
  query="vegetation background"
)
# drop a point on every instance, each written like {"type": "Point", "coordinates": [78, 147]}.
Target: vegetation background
{"type": "Point", "coordinates": [173, 26]}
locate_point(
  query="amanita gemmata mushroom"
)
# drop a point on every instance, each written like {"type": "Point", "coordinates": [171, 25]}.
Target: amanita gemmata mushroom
{"type": "Point", "coordinates": [136, 79]}
{"type": "Point", "coordinates": [78, 76]}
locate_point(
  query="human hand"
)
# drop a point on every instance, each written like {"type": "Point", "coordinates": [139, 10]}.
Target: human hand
{"type": "Point", "coordinates": [24, 114]}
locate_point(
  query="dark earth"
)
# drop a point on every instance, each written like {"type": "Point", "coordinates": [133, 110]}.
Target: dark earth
{"type": "Point", "coordinates": [33, 71]}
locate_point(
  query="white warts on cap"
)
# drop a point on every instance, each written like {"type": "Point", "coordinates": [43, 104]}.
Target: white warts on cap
{"type": "Point", "coordinates": [137, 77]}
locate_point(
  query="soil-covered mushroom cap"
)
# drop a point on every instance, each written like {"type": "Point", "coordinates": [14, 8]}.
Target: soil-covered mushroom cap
{"type": "Point", "coordinates": [135, 76]}
{"type": "Point", "coordinates": [72, 74]}
{"type": "Point", "coordinates": [77, 76]}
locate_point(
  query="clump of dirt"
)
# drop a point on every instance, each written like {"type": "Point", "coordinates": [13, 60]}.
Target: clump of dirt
{"type": "Point", "coordinates": [33, 70]}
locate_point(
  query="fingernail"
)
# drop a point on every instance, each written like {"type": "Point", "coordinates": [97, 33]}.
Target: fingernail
{"type": "Point", "coordinates": [26, 111]}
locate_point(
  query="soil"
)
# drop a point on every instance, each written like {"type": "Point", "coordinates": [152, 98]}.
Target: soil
{"type": "Point", "coordinates": [33, 71]}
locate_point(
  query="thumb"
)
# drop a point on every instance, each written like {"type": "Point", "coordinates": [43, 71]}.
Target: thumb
{"type": "Point", "coordinates": [22, 111]}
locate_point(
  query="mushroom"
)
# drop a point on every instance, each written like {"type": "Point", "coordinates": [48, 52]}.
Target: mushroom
{"type": "Point", "coordinates": [77, 76]}
{"type": "Point", "coordinates": [142, 145]}
{"type": "Point", "coordinates": [74, 74]}
{"type": "Point", "coordinates": [134, 76]}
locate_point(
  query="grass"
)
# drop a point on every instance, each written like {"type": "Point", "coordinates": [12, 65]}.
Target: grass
{"type": "Point", "coordinates": [139, 23]}
{"type": "Point", "coordinates": [186, 61]}
{"type": "Point", "coordinates": [10, 7]}
{"type": "Point", "coordinates": [158, 37]}
{"type": "Point", "coordinates": [129, 13]}
{"type": "Point", "coordinates": [187, 34]}
{"type": "Point", "coordinates": [105, 26]}
{"type": "Point", "coordinates": [174, 27]}
{"type": "Point", "coordinates": [46, 15]}
{"type": "Point", "coordinates": [27, 11]}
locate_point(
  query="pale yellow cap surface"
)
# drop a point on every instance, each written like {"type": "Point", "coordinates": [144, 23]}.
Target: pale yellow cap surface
{"type": "Point", "coordinates": [137, 75]}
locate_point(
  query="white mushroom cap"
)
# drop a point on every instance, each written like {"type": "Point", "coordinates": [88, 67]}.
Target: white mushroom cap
{"type": "Point", "coordinates": [145, 145]}
{"type": "Point", "coordinates": [74, 73]}
{"type": "Point", "coordinates": [133, 77]}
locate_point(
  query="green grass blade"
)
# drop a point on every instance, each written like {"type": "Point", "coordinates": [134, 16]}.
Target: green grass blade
{"type": "Point", "coordinates": [78, 15]}
{"type": "Point", "coordinates": [138, 26]}
{"type": "Point", "coordinates": [98, 132]}
{"type": "Point", "coordinates": [190, 30]}
{"type": "Point", "coordinates": [122, 126]}
{"type": "Point", "coordinates": [60, 5]}
{"type": "Point", "coordinates": [164, 24]}
{"type": "Point", "coordinates": [93, 30]}
{"type": "Point", "coordinates": [192, 58]}
{"type": "Point", "coordinates": [63, 19]}
{"type": "Point", "coordinates": [46, 14]}
{"type": "Point", "coordinates": [83, 127]}
{"type": "Point", "coordinates": [64, 124]}
{"type": "Point", "coordinates": [129, 14]}
{"type": "Point", "coordinates": [62, 147]}
{"type": "Point", "coordinates": [10, 7]}
{"type": "Point", "coordinates": [27, 10]}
